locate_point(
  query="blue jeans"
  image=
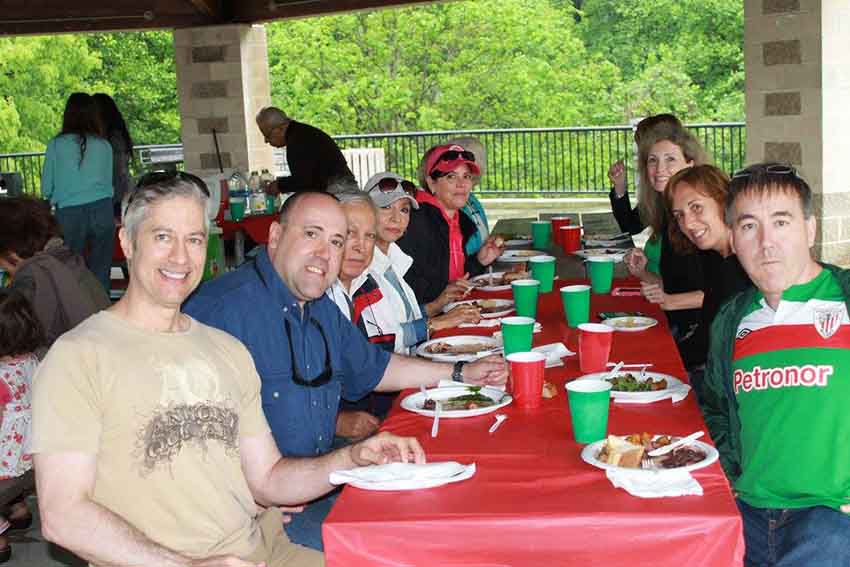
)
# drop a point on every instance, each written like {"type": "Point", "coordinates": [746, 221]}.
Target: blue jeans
{"type": "Point", "coordinates": [306, 528]}
{"type": "Point", "coordinates": [800, 537]}
{"type": "Point", "coordinates": [92, 224]}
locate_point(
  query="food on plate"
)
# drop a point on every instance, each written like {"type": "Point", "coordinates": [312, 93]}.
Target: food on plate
{"type": "Point", "coordinates": [549, 390]}
{"type": "Point", "coordinates": [499, 241]}
{"type": "Point", "coordinates": [525, 253]}
{"type": "Point", "coordinates": [630, 451]}
{"type": "Point", "coordinates": [629, 322]}
{"type": "Point", "coordinates": [487, 306]}
{"type": "Point", "coordinates": [501, 279]}
{"type": "Point", "coordinates": [473, 400]}
{"type": "Point", "coordinates": [460, 348]}
{"type": "Point", "coordinates": [629, 383]}
{"type": "Point", "coordinates": [621, 452]}
{"type": "Point", "coordinates": [602, 251]}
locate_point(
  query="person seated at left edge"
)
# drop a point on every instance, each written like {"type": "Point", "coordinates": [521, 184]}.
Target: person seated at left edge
{"type": "Point", "coordinates": [308, 355]}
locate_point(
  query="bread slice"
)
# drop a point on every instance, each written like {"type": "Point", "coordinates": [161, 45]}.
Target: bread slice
{"type": "Point", "coordinates": [622, 453]}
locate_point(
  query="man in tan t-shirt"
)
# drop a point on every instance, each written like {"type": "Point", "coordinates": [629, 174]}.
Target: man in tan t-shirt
{"type": "Point", "coordinates": [150, 443]}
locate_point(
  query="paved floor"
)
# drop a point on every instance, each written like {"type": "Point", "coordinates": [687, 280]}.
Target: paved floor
{"type": "Point", "coordinates": [30, 550]}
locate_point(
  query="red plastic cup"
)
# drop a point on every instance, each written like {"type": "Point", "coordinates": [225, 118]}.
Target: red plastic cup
{"type": "Point", "coordinates": [526, 379]}
{"type": "Point", "coordinates": [557, 223]}
{"type": "Point", "coordinates": [570, 238]}
{"type": "Point", "coordinates": [594, 346]}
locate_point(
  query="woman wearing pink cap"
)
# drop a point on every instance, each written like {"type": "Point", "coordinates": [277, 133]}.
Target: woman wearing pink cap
{"type": "Point", "coordinates": [438, 230]}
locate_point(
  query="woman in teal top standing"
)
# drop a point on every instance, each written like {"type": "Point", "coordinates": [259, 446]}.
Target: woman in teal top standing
{"type": "Point", "coordinates": [77, 180]}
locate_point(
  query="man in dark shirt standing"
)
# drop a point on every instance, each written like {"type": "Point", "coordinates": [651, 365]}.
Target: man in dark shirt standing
{"type": "Point", "coordinates": [314, 158]}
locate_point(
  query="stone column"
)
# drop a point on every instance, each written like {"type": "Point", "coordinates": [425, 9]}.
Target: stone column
{"type": "Point", "coordinates": [222, 82]}
{"type": "Point", "coordinates": [797, 57]}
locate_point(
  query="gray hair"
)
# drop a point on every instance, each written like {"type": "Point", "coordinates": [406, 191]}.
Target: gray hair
{"type": "Point", "coordinates": [137, 203]}
{"type": "Point", "coordinates": [357, 196]}
{"type": "Point", "coordinates": [272, 116]}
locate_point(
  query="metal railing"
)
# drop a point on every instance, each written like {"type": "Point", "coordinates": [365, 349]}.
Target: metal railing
{"type": "Point", "coordinates": [520, 162]}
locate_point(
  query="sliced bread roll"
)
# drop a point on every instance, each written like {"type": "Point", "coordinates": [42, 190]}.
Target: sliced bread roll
{"type": "Point", "coordinates": [622, 453]}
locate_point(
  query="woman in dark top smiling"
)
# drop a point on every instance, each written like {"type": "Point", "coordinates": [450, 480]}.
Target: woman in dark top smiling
{"type": "Point", "coordinates": [696, 197]}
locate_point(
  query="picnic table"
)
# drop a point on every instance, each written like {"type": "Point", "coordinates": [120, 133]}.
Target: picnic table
{"type": "Point", "coordinates": [533, 501]}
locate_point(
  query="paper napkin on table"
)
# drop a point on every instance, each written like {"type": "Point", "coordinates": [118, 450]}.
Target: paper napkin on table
{"type": "Point", "coordinates": [676, 394]}
{"type": "Point", "coordinates": [655, 484]}
{"type": "Point", "coordinates": [554, 352]}
{"type": "Point", "coordinates": [403, 476]}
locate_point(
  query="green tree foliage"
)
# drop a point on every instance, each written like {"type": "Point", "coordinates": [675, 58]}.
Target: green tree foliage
{"type": "Point", "coordinates": [138, 71]}
{"type": "Point", "coordinates": [483, 64]}
{"type": "Point", "coordinates": [36, 76]}
{"type": "Point", "coordinates": [680, 55]}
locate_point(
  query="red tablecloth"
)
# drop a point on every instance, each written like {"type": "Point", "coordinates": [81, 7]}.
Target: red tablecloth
{"type": "Point", "coordinates": [533, 501]}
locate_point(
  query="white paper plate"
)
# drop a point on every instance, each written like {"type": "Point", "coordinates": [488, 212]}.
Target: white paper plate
{"type": "Point", "coordinates": [615, 254]}
{"type": "Point", "coordinates": [493, 346]}
{"type": "Point", "coordinates": [630, 324]}
{"type": "Point", "coordinates": [518, 242]}
{"type": "Point", "coordinates": [505, 306]}
{"type": "Point", "coordinates": [409, 476]}
{"type": "Point", "coordinates": [414, 402]}
{"type": "Point", "coordinates": [636, 396]}
{"type": "Point", "coordinates": [486, 287]}
{"type": "Point", "coordinates": [519, 255]}
{"type": "Point", "coordinates": [589, 454]}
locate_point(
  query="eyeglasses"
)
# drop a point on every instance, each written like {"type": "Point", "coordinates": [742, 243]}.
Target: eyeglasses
{"type": "Point", "coordinates": [326, 374]}
{"type": "Point", "coordinates": [389, 184]}
{"type": "Point", "coordinates": [775, 169]}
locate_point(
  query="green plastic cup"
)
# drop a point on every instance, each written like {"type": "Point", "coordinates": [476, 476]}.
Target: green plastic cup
{"type": "Point", "coordinates": [589, 402]}
{"type": "Point", "coordinates": [543, 270]}
{"type": "Point", "coordinates": [237, 209]}
{"type": "Point", "coordinates": [525, 297]}
{"type": "Point", "coordinates": [517, 333]}
{"type": "Point", "coordinates": [601, 274]}
{"type": "Point", "coordinates": [541, 234]}
{"type": "Point", "coordinates": [576, 300]}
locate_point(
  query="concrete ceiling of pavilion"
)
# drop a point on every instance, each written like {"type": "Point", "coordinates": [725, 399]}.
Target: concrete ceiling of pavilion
{"type": "Point", "coordinates": [18, 17]}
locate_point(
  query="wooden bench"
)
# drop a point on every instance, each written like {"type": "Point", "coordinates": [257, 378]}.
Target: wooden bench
{"type": "Point", "coordinates": [13, 487]}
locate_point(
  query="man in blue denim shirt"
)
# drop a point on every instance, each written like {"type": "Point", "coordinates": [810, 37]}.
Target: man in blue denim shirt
{"type": "Point", "coordinates": [307, 353]}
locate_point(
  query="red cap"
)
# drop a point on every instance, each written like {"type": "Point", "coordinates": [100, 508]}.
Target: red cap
{"type": "Point", "coordinates": [434, 162]}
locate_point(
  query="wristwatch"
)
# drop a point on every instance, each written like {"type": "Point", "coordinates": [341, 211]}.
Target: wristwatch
{"type": "Point", "coordinates": [457, 373]}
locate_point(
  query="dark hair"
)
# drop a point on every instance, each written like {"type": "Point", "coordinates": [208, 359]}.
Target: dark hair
{"type": "Point", "coordinates": [766, 178]}
{"type": "Point", "coordinates": [111, 119]}
{"type": "Point", "coordinates": [708, 180]}
{"type": "Point", "coordinates": [20, 331]}
{"type": "Point", "coordinates": [81, 119]}
{"type": "Point", "coordinates": [26, 224]}
{"type": "Point", "coordinates": [651, 122]}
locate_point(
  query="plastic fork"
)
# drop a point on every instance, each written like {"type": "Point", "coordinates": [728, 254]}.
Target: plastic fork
{"type": "Point", "coordinates": [435, 427]}
{"type": "Point", "coordinates": [500, 418]}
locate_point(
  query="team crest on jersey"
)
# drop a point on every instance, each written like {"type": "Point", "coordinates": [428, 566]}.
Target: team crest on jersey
{"type": "Point", "coordinates": [743, 333]}
{"type": "Point", "coordinates": [828, 320]}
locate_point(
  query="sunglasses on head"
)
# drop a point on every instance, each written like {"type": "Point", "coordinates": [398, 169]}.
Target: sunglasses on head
{"type": "Point", "coordinates": [389, 184]}
{"type": "Point", "coordinates": [775, 169]}
{"type": "Point", "coordinates": [452, 155]}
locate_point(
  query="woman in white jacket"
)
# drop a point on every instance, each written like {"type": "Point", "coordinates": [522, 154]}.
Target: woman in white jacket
{"type": "Point", "coordinates": [401, 312]}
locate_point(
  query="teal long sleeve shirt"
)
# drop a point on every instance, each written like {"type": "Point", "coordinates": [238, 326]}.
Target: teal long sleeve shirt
{"type": "Point", "coordinates": [66, 182]}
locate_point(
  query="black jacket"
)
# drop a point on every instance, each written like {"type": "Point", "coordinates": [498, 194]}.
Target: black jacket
{"type": "Point", "coordinates": [314, 160]}
{"type": "Point", "coordinates": [427, 242]}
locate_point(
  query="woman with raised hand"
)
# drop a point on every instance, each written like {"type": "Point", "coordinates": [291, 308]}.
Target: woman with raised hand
{"type": "Point", "coordinates": [438, 230]}
{"type": "Point", "coordinates": [77, 180]}
{"type": "Point", "coordinates": [401, 314]}
{"type": "Point", "coordinates": [663, 150]}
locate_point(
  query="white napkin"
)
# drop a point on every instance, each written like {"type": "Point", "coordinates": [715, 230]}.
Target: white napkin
{"type": "Point", "coordinates": [676, 394]}
{"type": "Point", "coordinates": [554, 353]}
{"type": "Point", "coordinates": [403, 476]}
{"type": "Point", "coordinates": [654, 484]}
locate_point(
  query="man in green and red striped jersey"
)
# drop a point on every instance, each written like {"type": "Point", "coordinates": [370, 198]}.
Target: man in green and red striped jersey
{"type": "Point", "coordinates": [778, 378]}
